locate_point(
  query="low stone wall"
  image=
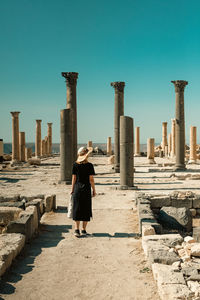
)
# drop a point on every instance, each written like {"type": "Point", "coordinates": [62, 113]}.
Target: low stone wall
{"type": "Point", "coordinates": [19, 223]}
{"type": "Point", "coordinates": [175, 261]}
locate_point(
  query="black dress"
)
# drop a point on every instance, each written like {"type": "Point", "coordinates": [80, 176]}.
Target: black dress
{"type": "Point", "coordinates": [82, 198]}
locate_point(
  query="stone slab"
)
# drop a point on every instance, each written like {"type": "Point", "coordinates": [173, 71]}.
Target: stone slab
{"type": "Point", "coordinates": [177, 202]}
{"type": "Point", "coordinates": [12, 198]}
{"type": "Point", "coordinates": [158, 202]}
{"type": "Point", "coordinates": [196, 203]}
{"type": "Point", "coordinates": [18, 204]}
{"type": "Point", "coordinates": [8, 214]}
{"type": "Point", "coordinates": [23, 225]}
{"type": "Point", "coordinates": [10, 246]}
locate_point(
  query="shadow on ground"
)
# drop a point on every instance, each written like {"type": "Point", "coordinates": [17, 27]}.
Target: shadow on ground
{"type": "Point", "coordinates": [49, 236]}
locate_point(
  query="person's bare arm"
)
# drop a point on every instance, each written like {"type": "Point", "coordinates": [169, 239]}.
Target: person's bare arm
{"type": "Point", "coordinates": [73, 183]}
{"type": "Point", "coordinates": [92, 185]}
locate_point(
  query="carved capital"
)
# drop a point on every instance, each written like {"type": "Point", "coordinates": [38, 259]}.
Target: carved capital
{"type": "Point", "coordinates": [71, 78]}
{"type": "Point", "coordinates": [179, 85]}
{"type": "Point", "coordinates": [15, 114]}
{"type": "Point", "coordinates": [49, 124]}
{"type": "Point", "coordinates": [38, 121]}
{"type": "Point", "coordinates": [118, 86]}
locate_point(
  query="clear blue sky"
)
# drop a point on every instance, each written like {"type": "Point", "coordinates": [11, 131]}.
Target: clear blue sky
{"type": "Point", "coordinates": [144, 43]}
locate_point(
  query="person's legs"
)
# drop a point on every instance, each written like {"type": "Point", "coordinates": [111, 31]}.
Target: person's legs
{"type": "Point", "coordinates": [84, 225]}
{"type": "Point", "coordinates": [77, 224]}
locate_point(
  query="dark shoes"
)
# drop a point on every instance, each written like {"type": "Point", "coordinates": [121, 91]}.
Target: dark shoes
{"type": "Point", "coordinates": [77, 232]}
{"type": "Point", "coordinates": [83, 232]}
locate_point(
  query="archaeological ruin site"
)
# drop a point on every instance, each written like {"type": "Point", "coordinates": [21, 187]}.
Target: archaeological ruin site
{"type": "Point", "coordinates": [144, 239]}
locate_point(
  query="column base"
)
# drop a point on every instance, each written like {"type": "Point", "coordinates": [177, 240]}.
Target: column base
{"type": "Point", "coordinates": [179, 168]}
{"type": "Point", "coordinates": [151, 161]}
{"type": "Point", "coordinates": [67, 182]}
{"type": "Point", "coordinates": [126, 187]}
{"type": "Point", "coordinates": [117, 169]}
{"type": "Point", "coordinates": [137, 155]}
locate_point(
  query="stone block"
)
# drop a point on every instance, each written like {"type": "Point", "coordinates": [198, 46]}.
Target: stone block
{"type": "Point", "coordinates": [49, 202]}
{"type": "Point", "coordinates": [32, 210]}
{"type": "Point", "coordinates": [39, 204]}
{"type": "Point", "coordinates": [23, 225]}
{"type": "Point", "coordinates": [32, 197]}
{"type": "Point", "coordinates": [178, 202]}
{"type": "Point", "coordinates": [12, 198]}
{"type": "Point", "coordinates": [148, 230]}
{"type": "Point", "coordinates": [111, 160]}
{"type": "Point", "coordinates": [196, 234]}
{"type": "Point", "coordinates": [19, 204]}
{"type": "Point", "coordinates": [195, 250]}
{"type": "Point", "coordinates": [196, 203]}
{"type": "Point", "coordinates": [157, 227]}
{"type": "Point", "coordinates": [193, 212]}
{"type": "Point", "coordinates": [54, 202]}
{"type": "Point", "coordinates": [34, 161]}
{"type": "Point", "coordinates": [160, 201]}
{"type": "Point", "coordinates": [10, 246]}
{"type": "Point", "coordinates": [8, 214]}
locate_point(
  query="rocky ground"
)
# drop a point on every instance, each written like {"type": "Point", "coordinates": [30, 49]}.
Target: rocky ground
{"type": "Point", "coordinates": [108, 264]}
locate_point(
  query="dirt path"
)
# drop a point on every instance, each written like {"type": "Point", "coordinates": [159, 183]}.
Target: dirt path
{"type": "Point", "coordinates": [109, 264]}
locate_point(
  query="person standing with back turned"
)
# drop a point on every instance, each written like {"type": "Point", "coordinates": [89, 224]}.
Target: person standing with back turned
{"type": "Point", "coordinates": [82, 181]}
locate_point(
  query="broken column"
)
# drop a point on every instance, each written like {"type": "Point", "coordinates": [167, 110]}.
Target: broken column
{"type": "Point", "coordinates": [15, 136]}
{"type": "Point", "coordinates": [126, 152]}
{"type": "Point", "coordinates": [150, 150]}
{"type": "Point", "coordinates": [43, 148]}
{"type": "Point", "coordinates": [109, 146]}
{"type": "Point", "coordinates": [71, 82]}
{"type": "Point", "coordinates": [22, 146]}
{"type": "Point", "coordinates": [46, 143]}
{"type": "Point", "coordinates": [1, 150]}
{"type": "Point", "coordinates": [28, 153]}
{"type": "Point", "coordinates": [164, 135]}
{"type": "Point", "coordinates": [193, 145]}
{"type": "Point", "coordinates": [66, 151]}
{"type": "Point", "coordinates": [180, 124]}
{"type": "Point", "coordinates": [49, 134]}
{"type": "Point", "coordinates": [137, 141]}
{"type": "Point", "coordinates": [119, 111]}
{"type": "Point", "coordinates": [38, 139]}
{"type": "Point", "coordinates": [169, 144]}
{"type": "Point", "coordinates": [173, 152]}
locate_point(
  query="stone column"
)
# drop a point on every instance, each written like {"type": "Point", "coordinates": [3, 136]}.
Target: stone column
{"type": "Point", "coordinates": [71, 82]}
{"type": "Point", "coordinates": [28, 153]}
{"type": "Point", "coordinates": [89, 144]}
{"type": "Point", "coordinates": [169, 144]}
{"type": "Point", "coordinates": [66, 147]}
{"type": "Point", "coordinates": [46, 145]}
{"type": "Point", "coordinates": [109, 146]}
{"type": "Point", "coordinates": [180, 124]}
{"type": "Point", "coordinates": [22, 146]}
{"type": "Point", "coordinates": [126, 152]}
{"type": "Point", "coordinates": [1, 150]}
{"type": "Point", "coordinates": [193, 145]}
{"type": "Point", "coordinates": [137, 141]}
{"type": "Point", "coordinates": [119, 111]}
{"type": "Point", "coordinates": [49, 134]}
{"type": "Point", "coordinates": [150, 151]}
{"type": "Point", "coordinates": [164, 135]}
{"type": "Point", "coordinates": [15, 135]}
{"type": "Point", "coordinates": [38, 139]}
{"type": "Point", "coordinates": [43, 148]}
{"type": "Point", "coordinates": [173, 152]}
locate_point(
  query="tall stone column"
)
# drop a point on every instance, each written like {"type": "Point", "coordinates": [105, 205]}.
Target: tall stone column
{"type": "Point", "coordinates": [15, 135]}
{"type": "Point", "coordinates": [46, 145]}
{"type": "Point", "coordinates": [150, 150]}
{"type": "Point", "coordinates": [38, 139]}
{"type": "Point", "coordinates": [193, 145]}
{"type": "Point", "coordinates": [66, 149]}
{"type": "Point", "coordinates": [173, 152]}
{"type": "Point", "coordinates": [49, 134]}
{"type": "Point", "coordinates": [169, 144]}
{"type": "Point", "coordinates": [126, 152]}
{"type": "Point", "coordinates": [43, 148]}
{"type": "Point", "coordinates": [119, 111]}
{"type": "Point", "coordinates": [22, 146]}
{"type": "Point", "coordinates": [137, 141]}
{"type": "Point", "coordinates": [164, 135]}
{"type": "Point", "coordinates": [28, 153]}
{"type": "Point", "coordinates": [71, 82]}
{"type": "Point", "coordinates": [180, 124]}
{"type": "Point", "coordinates": [109, 146]}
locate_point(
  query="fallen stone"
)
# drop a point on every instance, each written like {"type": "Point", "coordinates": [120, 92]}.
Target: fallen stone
{"type": "Point", "coordinates": [196, 202]}
{"type": "Point", "coordinates": [160, 201]}
{"type": "Point", "coordinates": [182, 202]}
{"type": "Point", "coordinates": [34, 161]}
{"type": "Point", "coordinates": [111, 160]}
{"type": "Point", "coordinates": [195, 250]}
{"type": "Point", "coordinates": [194, 286]}
{"type": "Point", "coordinates": [193, 212]}
{"type": "Point", "coordinates": [23, 225]}
{"type": "Point", "coordinates": [19, 204]}
{"type": "Point", "coordinates": [189, 239]}
{"type": "Point", "coordinates": [196, 234]}
{"type": "Point", "coordinates": [50, 203]}
{"type": "Point", "coordinates": [176, 218]}
{"type": "Point", "coordinates": [10, 198]}
{"type": "Point", "coordinates": [10, 246]}
{"type": "Point", "coordinates": [148, 230]}
{"type": "Point", "coordinates": [32, 197]}
{"type": "Point", "coordinates": [33, 210]}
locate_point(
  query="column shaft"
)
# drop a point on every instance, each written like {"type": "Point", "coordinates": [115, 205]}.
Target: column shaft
{"type": "Point", "coordinates": [119, 111]}
{"type": "Point", "coordinates": [173, 152]}
{"type": "Point", "coordinates": [164, 135]}
{"type": "Point", "coordinates": [193, 144]}
{"type": "Point", "coordinates": [66, 147]}
{"type": "Point", "coordinates": [169, 144]}
{"type": "Point", "coordinates": [22, 146]}
{"type": "Point", "coordinates": [89, 144]}
{"type": "Point", "coordinates": [28, 153]}
{"type": "Point", "coordinates": [180, 124]}
{"type": "Point", "coordinates": [137, 141]}
{"type": "Point", "coordinates": [126, 152]}
{"type": "Point", "coordinates": [109, 146]}
{"type": "Point", "coordinates": [38, 139]}
{"type": "Point", "coordinates": [15, 136]}
{"type": "Point", "coordinates": [49, 134]}
{"type": "Point", "coordinates": [150, 150]}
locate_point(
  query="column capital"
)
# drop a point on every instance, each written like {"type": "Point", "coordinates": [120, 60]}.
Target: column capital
{"type": "Point", "coordinates": [118, 86]}
{"type": "Point", "coordinates": [15, 114]}
{"type": "Point", "coordinates": [164, 123]}
{"type": "Point", "coordinates": [49, 124]}
{"type": "Point", "coordinates": [71, 77]}
{"type": "Point", "coordinates": [179, 85]}
{"type": "Point", "coordinates": [38, 121]}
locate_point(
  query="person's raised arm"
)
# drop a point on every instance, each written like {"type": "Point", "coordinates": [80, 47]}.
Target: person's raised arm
{"type": "Point", "coordinates": [73, 182]}
{"type": "Point", "coordinates": [92, 185]}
